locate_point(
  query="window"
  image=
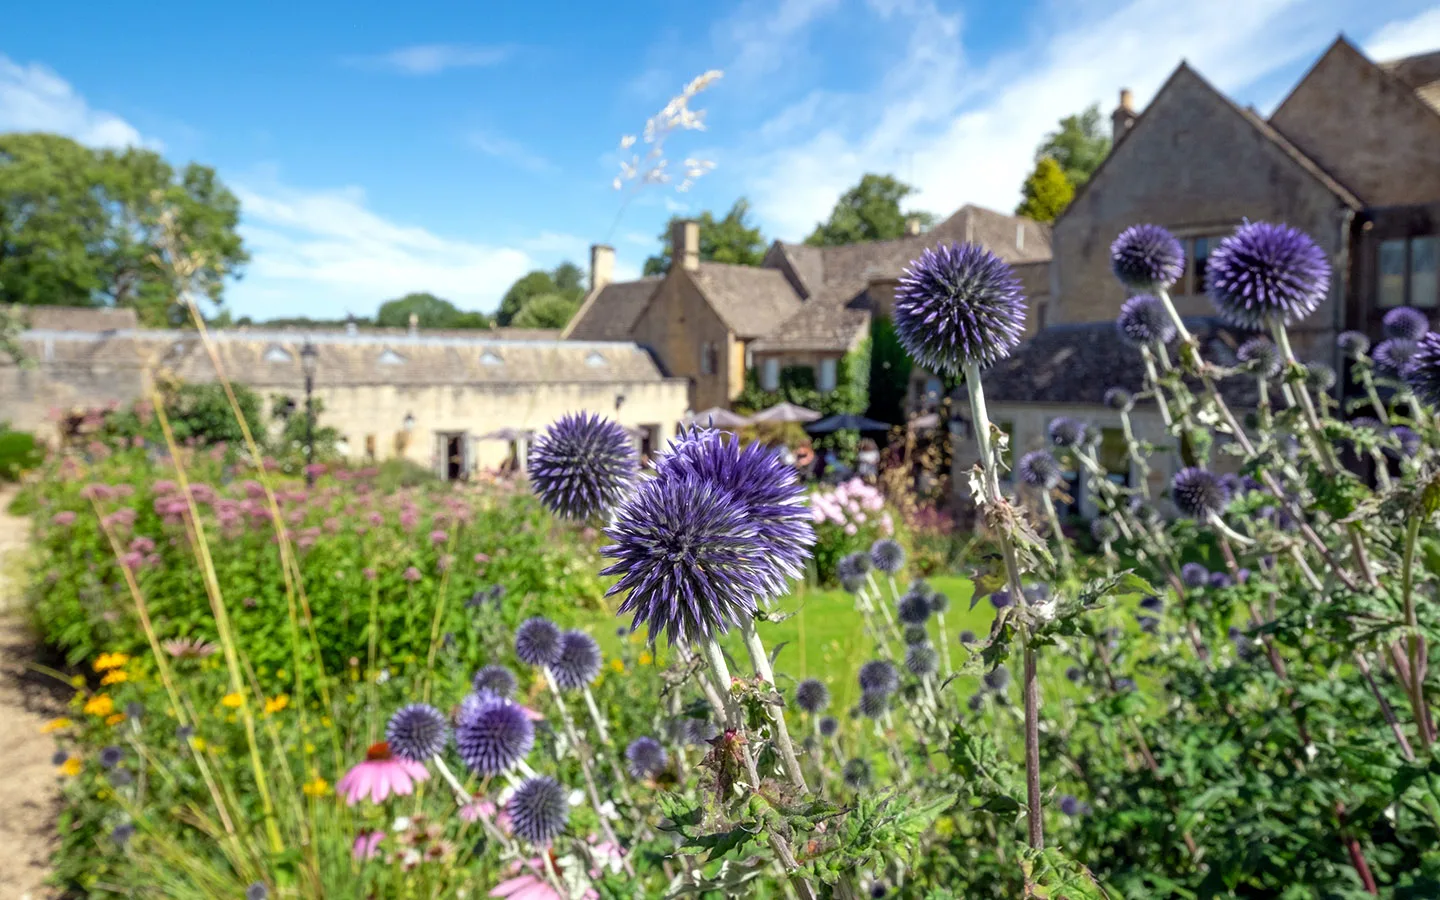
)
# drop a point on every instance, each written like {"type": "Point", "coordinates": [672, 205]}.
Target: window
{"type": "Point", "coordinates": [1409, 272]}
{"type": "Point", "coordinates": [828, 369]}
{"type": "Point", "coordinates": [391, 358]}
{"type": "Point", "coordinates": [1200, 254]}
{"type": "Point", "coordinates": [709, 358]}
{"type": "Point", "coordinates": [370, 447]}
{"type": "Point", "coordinates": [1115, 455]}
{"type": "Point", "coordinates": [277, 354]}
{"type": "Point", "coordinates": [595, 360]}
{"type": "Point", "coordinates": [1392, 273]}
{"type": "Point", "coordinates": [489, 358]}
{"type": "Point", "coordinates": [770, 374]}
{"type": "Point", "coordinates": [1042, 311]}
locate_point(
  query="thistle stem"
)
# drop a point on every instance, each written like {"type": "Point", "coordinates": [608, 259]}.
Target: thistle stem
{"type": "Point", "coordinates": [1054, 519]}
{"type": "Point", "coordinates": [761, 663]}
{"type": "Point", "coordinates": [944, 645]}
{"type": "Point", "coordinates": [1416, 643]}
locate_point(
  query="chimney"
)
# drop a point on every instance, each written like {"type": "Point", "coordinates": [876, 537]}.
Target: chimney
{"type": "Point", "coordinates": [1123, 117]}
{"type": "Point", "coordinates": [685, 244]}
{"type": "Point", "coordinates": [1019, 235]}
{"type": "Point", "coordinates": [414, 325]}
{"type": "Point", "coordinates": [602, 265]}
{"type": "Point", "coordinates": [350, 327]}
{"type": "Point", "coordinates": [912, 226]}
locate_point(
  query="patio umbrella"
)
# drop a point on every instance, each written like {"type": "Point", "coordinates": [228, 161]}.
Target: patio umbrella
{"type": "Point", "coordinates": [785, 412]}
{"type": "Point", "coordinates": [718, 417]}
{"type": "Point", "coordinates": [845, 422]}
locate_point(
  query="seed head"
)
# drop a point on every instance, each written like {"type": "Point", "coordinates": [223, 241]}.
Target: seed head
{"type": "Point", "coordinates": [1261, 356]}
{"type": "Point", "coordinates": [921, 660]}
{"type": "Point", "coordinates": [417, 732]}
{"type": "Point", "coordinates": [879, 675]}
{"type": "Point", "coordinates": [956, 305]}
{"type": "Point", "coordinates": [856, 774]}
{"type": "Point", "coordinates": [538, 810]}
{"type": "Point", "coordinates": [579, 661]}
{"type": "Point", "coordinates": [1103, 530]}
{"type": "Point", "coordinates": [812, 695]}
{"type": "Point", "coordinates": [1146, 257]}
{"type": "Point", "coordinates": [939, 603]}
{"type": "Point", "coordinates": [1198, 494]}
{"type": "Point", "coordinates": [582, 465]}
{"type": "Point", "coordinates": [1119, 399]}
{"type": "Point", "coordinates": [997, 679]}
{"type": "Point", "coordinates": [1039, 469]}
{"type": "Point", "coordinates": [1354, 344]}
{"type": "Point", "coordinates": [887, 556]}
{"type": "Point", "coordinates": [913, 609]}
{"type": "Point", "coordinates": [496, 679]}
{"type": "Point", "coordinates": [1319, 376]}
{"type": "Point", "coordinates": [829, 725]}
{"type": "Point", "coordinates": [1066, 433]}
{"type": "Point", "coordinates": [492, 734]}
{"type": "Point", "coordinates": [1266, 273]}
{"type": "Point", "coordinates": [1405, 323]}
{"type": "Point", "coordinates": [537, 642]}
{"type": "Point", "coordinates": [1144, 322]}
{"type": "Point", "coordinates": [873, 704]}
{"type": "Point", "coordinates": [645, 758]}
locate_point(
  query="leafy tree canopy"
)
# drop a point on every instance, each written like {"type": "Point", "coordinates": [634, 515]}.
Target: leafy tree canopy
{"type": "Point", "coordinates": [565, 280]}
{"type": "Point", "coordinates": [732, 239]}
{"type": "Point", "coordinates": [80, 226]}
{"type": "Point", "coordinates": [1079, 145]}
{"type": "Point", "coordinates": [1046, 192]}
{"type": "Point", "coordinates": [869, 211]}
{"type": "Point", "coordinates": [430, 311]}
{"type": "Point", "coordinates": [546, 311]}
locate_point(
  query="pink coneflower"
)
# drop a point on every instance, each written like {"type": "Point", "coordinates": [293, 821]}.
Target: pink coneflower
{"type": "Point", "coordinates": [530, 884]}
{"type": "Point", "coordinates": [63, 519]}
{"type": "Point", "coordinates": [476, 810]}
{"type": "Point", "coordinates": [367, 844]}
{"type": "Point", "coordinates": [379, 776]}
{"type": "Point", "coordinates": [189, 648]}
{"type": "Point", "coordinates": [412, 575]}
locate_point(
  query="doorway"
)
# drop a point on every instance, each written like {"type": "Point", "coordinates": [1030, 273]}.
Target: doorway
{"type": "Point", "coordinates": [454, 455]}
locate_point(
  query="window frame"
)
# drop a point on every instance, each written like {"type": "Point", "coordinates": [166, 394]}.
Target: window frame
{"type": "Point", "coordinates": [829, 365]}
{"type": "Point", "coordinates": [1408, 296]}
{"type": "Point", "coordinates": [770, 373]}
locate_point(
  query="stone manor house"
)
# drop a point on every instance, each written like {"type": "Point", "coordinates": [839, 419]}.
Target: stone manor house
{"type": "Point", "coordinates": [1352, 156]}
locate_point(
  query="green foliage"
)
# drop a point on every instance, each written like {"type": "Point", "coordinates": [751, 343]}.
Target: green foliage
{"type": "Point", "coordinates": [430, 312]}
{"type": "Point", "coordinates": [1079, 145]}
{"type": "Point", "coordinates": [80, 226]}
{"type": "Point", "coordinates": [890, 368]}
{"type": "Point", "coordinates": [869, 211]}
{"type": "Point", "coordinates": [546, 311]}
{"type": "Point", "coordinates": [732, 239]}
{"type": "Point", "coordinates": [1046, 192]}
{"type": "Point", "coordinates": [19, 452]}
{"type": "Point", "coordinates": [199, 414]}
{"type": "Point", "coordinates": [797, 386]}
{"type": "Point", "coordinates": [564, 280]}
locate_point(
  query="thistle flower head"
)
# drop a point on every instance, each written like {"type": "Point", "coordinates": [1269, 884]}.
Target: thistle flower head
{"type": "Point", "coordinates": [853, 564]}
{"type": "Point", "coordinates": [579, 661]}
{"type": "Point", "coordinates": [1000, 598]}
{"type": "Point", "coordinates": [939, 603]}
{"type": "Point", "coordinates": [110, 757]}
{"type": "Point", "coordinates": [417, 732]}
{"type": "Point", "coordinates": [956, 305]}
{"type": "Point", "coordinates": [1103, 530]}
{"type": "Point", "coordinates": [1405, 323]}
{"type": "Point", "coordinates": [1266, 273]}
{"type": "Point", "coordinates": [856, 774]}
{"type": "Point", "coordinates": [1152, 604]}
{"type": "Point", "coordinates": [913, 609]}
{"type": "Point", "coordinates": [1354, 344]}
{"type": "Point", "coordinates": [1119, 399]}
{"type": "Point", "coordinates": [1319, 376]}
{"type": "Point", "coordinates": [645, 758]}
{"type": "Point", "coordinates": [887, 556]}
{"type": "Point", "coordinates": [1220, 580]}
{"type": "Point", "coordinates": [967, 637]}
{"type": "Point", "coordinates": [1198, 494]}
{"type": "Point", "coordinates": [873, 704]}
{"type": "Point", "coordinates": [921, 660]}
{"type": "Point", "coordinates": [537, 642]}
{"type": "Point", "coordinates": [915, 634]}
{"type": "Point", "coordinates": [1065, 432]}
{"type": "Point", "coordinates": [829, 725]}
{"type": "Point", "coordinates": [582, 465]}
{"type": "Point", "coordinates": [496, 679]}
{"type": "Point", "coordinates": [1143, 322]}
{"type": "Point", "coordinates": [1146, 257]}
{"type": "Point", "coordinates": [1039, 469]}
{"type": "Point", "coordinates": [492, 734]}
{"type": "Point", "coordinates": [879, 675]}
{"type": "Point", "coordinates": [812, 695]}
{"type": "Point", "coordinates": [997, 679]}
{"type": "Point", "coordinates": [538, 810]}
{"type": "Point", "coordinates": [1392, 356]}
{"type": "Point", "coordinates": [1261, 356]}
{"type": "Point", "coordinates": [1423, 372]}
{"type": "Point", "coordinates": [1407, 439]}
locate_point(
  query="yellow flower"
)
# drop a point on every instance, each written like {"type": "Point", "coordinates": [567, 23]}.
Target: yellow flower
{"type": "Point", "coordinates": [71, 766]}
{"type": "Point", "coordinates": [646, 658]}
{"type": "Point", "coordinates": [944, 827]}
{"type": "Point", "coordinates": [198, 744]}
{"type": "Point", "coordinates": [234, 701]}
{"type": "Point", "coordinates": [617, 664]}
{"type": "Point", "coordinates": [77, 681]}
{"type": "Point", "coordinates": [325, 720]}
{"type": "Point", "coordinates": [309, 747]}
{"type": "Point", "coordinates": [54, 725]}
{"type": "Point", "coordinates": [114, 677]}
{"type": "Point", "coordinates": [277, 703]}
{"type": "Point", "coordinates": [100, 705]}
{"type": "Point", "coordinates": [316, 787]}
{"type": "Point", "coordinates": [110, 661]}
{"type": "Point", "coordinates": [115, 719]}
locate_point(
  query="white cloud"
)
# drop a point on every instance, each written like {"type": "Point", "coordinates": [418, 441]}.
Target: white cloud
{"type": "Point", "coordinates": [764, 36]}
{"type": "Point", "coordinates": [675, 206]}
{"type": "Point", "coordinates": [323, 253]}
{"type": "Point", "coordinates": [1406, 37]}
{"type": "Point", "coordinates": [429, 59]}
{"type": "Point", "coordinates": [559, 244]}
{"type": "Point", "coordinates": [967, 133]}
{"type": "Point", "coordinates": [501, 147]}
{"type": "Point", "coordinates": [34, 98]}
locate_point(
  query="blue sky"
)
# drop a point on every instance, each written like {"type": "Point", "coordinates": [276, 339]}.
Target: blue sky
{"type": "Point", "coordinates": [451, 147]}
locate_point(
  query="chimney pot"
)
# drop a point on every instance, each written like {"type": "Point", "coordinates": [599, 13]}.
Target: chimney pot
{"type": "Point", "coordinates": [1123, 118]}
{"type": "Point", "coordinates": [602, 266]}
{"type": "Point", "coordinates": [414, 325]}
{"type": "Point", "coordinates": [912, 226]}
{"type": "Point", "coordinates": [685, 244]}
{"type": "Point", "coordinates": [350, 327]}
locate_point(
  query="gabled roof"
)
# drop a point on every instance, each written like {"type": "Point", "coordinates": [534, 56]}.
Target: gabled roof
{"type": "Point", "coordinates": [1422, 73]}
{"type": "Point", "coordinates": [609, 313]}
{"type": "Point", "coordinates": [749, 300]}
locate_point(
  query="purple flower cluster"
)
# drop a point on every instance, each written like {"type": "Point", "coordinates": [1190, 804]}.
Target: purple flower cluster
{"type": "Point", "coordinates": [579, 661]}
{"type": "Point", "coordinates": [1423, 373]}
{"type": "Point", "coordinates": [492, 734]}
{"type": "Point", "coordinates": [538, 810]}
{"type": "Point", "coordinates": [1146, 257]}
{"type": "Point", "coordinates": [582, 465]}
{"type": "Point", "coordinates": [1039, 469]}
{"type": "Point", "coordinates": [1198, 494]}
{"type": "Point", "coordinates": [417, 732]}
{"type": "Point", "coordinates": [1267, 273]}
{"type": "Point", "coordinates": [958, 304]}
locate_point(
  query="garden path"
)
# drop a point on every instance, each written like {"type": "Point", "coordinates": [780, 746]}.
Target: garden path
{"type": "Point", "coordinates": [29, 797]}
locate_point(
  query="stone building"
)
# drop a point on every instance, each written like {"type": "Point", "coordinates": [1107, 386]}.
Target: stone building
{"type": "Point", "coordinates": [428, 397]}
{"type": "Point", "coordinates": [1351, 156]}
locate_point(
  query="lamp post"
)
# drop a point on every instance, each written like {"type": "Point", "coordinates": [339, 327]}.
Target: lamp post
{"type": "Point", "coordinates": [309, 358]}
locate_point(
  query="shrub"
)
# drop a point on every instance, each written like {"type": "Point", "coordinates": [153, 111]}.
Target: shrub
{"type": "Point", "coordinates": [19, 452]}
{"type": "Point", "coordinates": [847, 518]}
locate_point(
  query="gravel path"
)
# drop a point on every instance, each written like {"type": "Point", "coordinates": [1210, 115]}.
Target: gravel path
{"type": "Point", "coordinates": [28, 795]}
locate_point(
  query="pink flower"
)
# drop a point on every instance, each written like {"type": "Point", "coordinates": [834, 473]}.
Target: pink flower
{"type": "Point", "coordinates": [142, 545]}
{"type": "Point", "coordinates": [379, 776]}
{"type": "Point", "coordinates": [438, 537]}
{"type": "Point", "coordinates": [376, 519]}
{"type": "Point", "coordinates": [477, 809]}
{"type": "Point", "coordinates": [63, 519]}
{"type": "Point", "coordinates": [368, 573]}
{"type": "Point", "coordinates": [412, 574]}
{"type": "Point", "coordinates": [367, 844]}
{"type": "Point", "coordinates": [850, 529]}
{"type": "Point", "coordinates": [481, 559]}
{"type": "Point", "coordinates": [530, 884]}
{"type": "Point", "coordinates": [253, 489]}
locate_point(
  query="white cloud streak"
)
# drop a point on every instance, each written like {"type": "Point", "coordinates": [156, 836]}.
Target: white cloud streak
{"type": "Point", "coordinates": [34, 98]}
{"type": "Point", "coordinates": [1420, 34]}
{"type": "Point", "coordinates": [511, 151]}
{"type": "Point", "coordinates": [431, 59]}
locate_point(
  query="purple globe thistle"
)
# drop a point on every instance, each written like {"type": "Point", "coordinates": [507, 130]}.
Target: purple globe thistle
{"type": "Point", "coordinates": [1073, 807]}
{"type": "Point", "coordinates": [887, 556]}
{"type": "Point", "coordinates": [1039, 469]}
{"type": "Point", "coordinates": [1220, 580]}
{"type": "Point", "coordinates": [1145, 257]}
{"type": "Point", "coordinates": [1405, 323]}
{"type": "Point", "coordinates": [1143, 321]}
{"type": "Point", "coordinates": [873, 704]}
{"type": "Point", "coordinates": [257, 891]}
{"type": "Point", "coordinates": [958, 305]}
{"type": "Point", "coordinates": [1319, 376]}
{"type": "Point", "coordinates": [1266, 273]}
{"type": "Point", "coordinates": [1407, 439]}
{"type": "Point", "coordinates": [1104, 530]}
{"type": "Point", "coordinates": [1152, 604]}
{"type": "Point", "coordinates": [1119, 399]}
{"type": "Point", "coordinates": [967, 637]}
{"type": "Point", "coordinates": [856, 774]}
{"type": "Point", "coordinates": [1261, 356]}
{"type": "Point", "coordinates": [812, 695]}
{"type": "Point", "coordinates": [579, 661]}
{"type": "Point", "coordinates": [856, 564]}
{"type": "Point", "coordinates": [829, 725]}
{"type": "Point", "coordinates": [538, 810]}
{"type": "Point", "coordinates": [492, 734]}
{"type": "Point", "coordinates": [1423, 373]}
{"type": "Point", "coordinates": [699, 732]}
{"type": "Point", "coordinates": [1074, 674]}
{"type": "Point", "coordinates": [110, 757]}
{"type": "Point", "coordinates": [1198, 494]}
{"type": "Point", "coordinates": [1148, 624]}
{"type": "Point", "coordinates": [582, 465]}
{"type": "Point", "coordinates": [997, 679]}
{"type": "Point", "coordinates": [1392, 357]}
{"type": "Point", "coordinates": [537, 642]}
{"type": "Point", "coordinates": [1000, 598]}
{"type": "Point", "coordinates": [496, 679]}
{"type": "Point", "coordinates": [921, 660]}
{"type": "Point", "coordinates": [976, 701]}
{"type": "Point", "coordinates": [879, 675]}
{"type": "Point", "coordinates": [1354, 344]}
{"type": "Point", "coordinates": [913, 609]}
{"type": "Point", "coordinates": [939, 603]}
{"type": "Point", "coordinates": [417, 732]}
{"type": "Point", "coordinates": [915, 634]}
{"type": "Point", "coordinates": [645, 758]}
{"type": "Point", "coordinates": [1065, 432]}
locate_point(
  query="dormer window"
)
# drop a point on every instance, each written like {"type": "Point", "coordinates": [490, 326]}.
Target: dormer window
{"type": "Point", "coordinates": [490, 358]}
{"type": "Point", "coordinates": [596, 360]}
{"type": "Point", "coordinates": [277, 354]}
{"type": "Point", "coordinates": [391, 358]}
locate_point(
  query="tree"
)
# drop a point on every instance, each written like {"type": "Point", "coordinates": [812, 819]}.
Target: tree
{"type": "Point", "coordinates": [732, 239]}
{"type": "Point", "coordinates": [869, 211]}
{"type": "Point", "coordinates": [565, 279]}
{"type": "Point", "coordinates": [430, 312]}
{"type": "Point", "coordinates": [1046, 192]}
{"type": "Point", "coordinates": [546, 311]}
{"type": "Point", "coordinates": [1079, 145]}
{"type": "Point", "coordinates": [81, 227]}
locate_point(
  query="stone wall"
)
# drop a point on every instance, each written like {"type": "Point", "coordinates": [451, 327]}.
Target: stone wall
{"type": "Point", "coordinates": [676, 325]}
